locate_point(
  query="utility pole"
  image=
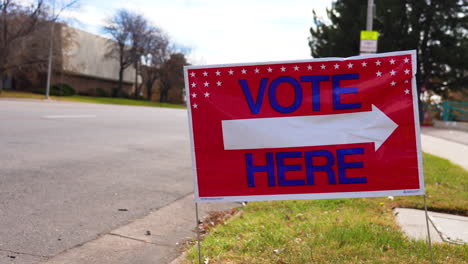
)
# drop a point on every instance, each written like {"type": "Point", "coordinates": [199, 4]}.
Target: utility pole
{"type": "Point", "coordinates": [51, 46]}
{"type": "Point", "coordinates": [370, 15]}
{"type": "Point", "coordinates": [369, 37]}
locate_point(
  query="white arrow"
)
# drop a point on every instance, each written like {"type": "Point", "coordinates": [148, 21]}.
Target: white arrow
{"type": "Point", "coordinates": [303, 131]}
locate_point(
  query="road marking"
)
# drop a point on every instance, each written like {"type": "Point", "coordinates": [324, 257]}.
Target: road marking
{"type": "Point", "coordinates": [68, 116]}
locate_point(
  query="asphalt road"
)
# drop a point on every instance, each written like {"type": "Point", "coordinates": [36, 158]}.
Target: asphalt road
{"type": "Point", "coordinates": [67, 168]}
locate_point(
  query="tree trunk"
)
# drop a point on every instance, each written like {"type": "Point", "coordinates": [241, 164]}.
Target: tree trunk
{"type": "Point", "coordinates": [163, 96]}
{"type": "Point", "coordinates": [1, 81]}
{"type": "Point", "coordinates": [149, 90]}
{"type": "Point", "coordinates": [119, 92]}
{"type": "Point", "coordinates": [137, 88]}
{"type": "Point", "coordinates": [424, 76]}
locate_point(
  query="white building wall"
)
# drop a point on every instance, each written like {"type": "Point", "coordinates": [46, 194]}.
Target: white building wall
{"type": "Point", "coordinates": [86, 56]}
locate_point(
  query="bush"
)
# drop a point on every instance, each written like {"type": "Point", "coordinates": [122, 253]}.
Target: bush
{"type": "Point", "coordinates": [62, 89]}
{"type": "Point", "coordinates": [57, 90]}
{"type": "Point", "coordinates": [122, 94]}
{"type": "Point", "coordinates": [100, 92]}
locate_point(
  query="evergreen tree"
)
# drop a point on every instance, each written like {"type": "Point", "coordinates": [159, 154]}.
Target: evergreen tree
{"type": "Point", "coordinates": [437, 29]}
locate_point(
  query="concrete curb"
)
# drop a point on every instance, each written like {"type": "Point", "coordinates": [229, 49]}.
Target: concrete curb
{"type": "Point", "coordinates": [153, 239]}
{"type": "Point", "coordinates": [179, 259]}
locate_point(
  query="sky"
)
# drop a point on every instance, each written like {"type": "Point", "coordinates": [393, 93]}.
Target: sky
{"type": "Point", "coordinates": [219, 31]}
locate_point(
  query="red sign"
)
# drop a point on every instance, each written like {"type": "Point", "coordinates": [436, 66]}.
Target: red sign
{"type": "Point", "coordinates": [322, 128]}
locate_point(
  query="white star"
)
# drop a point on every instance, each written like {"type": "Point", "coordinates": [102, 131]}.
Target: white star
{"type": "Point", "coordinates": [393, 83]}
{"type": "Point", "coordinates": [206, 84]}
{"type": "Point", "coordinates": [219, 83]}
{"type": "Point", "coordinates": [323, 66]}
{"type": "Point", "coordinates": [406, 91]}
{"type": "Point", "coordinates": [296, 68]}
{"type": "Point", "coordinates": [337, 66]}
{"type": "Point", "coordinates": [207, 94]}
{"type": "Point", "coordinates": [364, 64]}
{"type": "Point", "coordinates": [407, 71]}
{"type": "Point", "coordinates": [205, 74]}
{"type": "Point", "coordinates": [244, 71]}
{"type": "Point", "coordinates": [378, 73]}
{"type": "Point", "coordinates": [406, 81]}
{"type": "Point", "coordinates": [406, 60]}
{"type": "Point", "coordinates": [283, 69]}
{"type": "Point", "coordinates": [195, 106]}
{"type": "Point", "coordinates": [194, 95]}
{"type": "Point", "coordinates": [257, 70]}
{"type": "Point", "coordinates": [231, 72]}
{"type": "Point", "coordinates": [392, 73]}
{"type": "Point", "coordinates": [192, 74]}
{"type": "Point", "coordinates": [378, 63]}
{"type": "Point", "coordinates": [270, 69]}
{"type": "Point", "coordinates": [392, 61]}
{"type": "Point", "coordinates": [194, 84]}
{"type": "Point", "coordinates": [218, 73]}
{"type": "Point", "coordinates": [350, 65]}
{"type": "Point", "coordinates": [309, 67]}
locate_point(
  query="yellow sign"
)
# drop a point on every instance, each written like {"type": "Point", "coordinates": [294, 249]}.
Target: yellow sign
{"type": "Point", "coordinates": [369, 35]}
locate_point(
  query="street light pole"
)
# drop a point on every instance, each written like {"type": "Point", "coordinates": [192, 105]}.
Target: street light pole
{"type": "Point", "coordinates": [51, 46]}
{"type": "Point", "coordinates": [370, 15]}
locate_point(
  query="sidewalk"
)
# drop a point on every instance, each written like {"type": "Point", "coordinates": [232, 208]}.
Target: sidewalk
{"type": "Point", "coordinates": [457, 136]}
{"type": "Point", "coordinates": [451, 145]}
{"type": "Point", "coordinates": [446, 143]}
{"type": "Point", "coordinates": [153, 239]}
{"type": "Point", "coordinates": [443, 227]}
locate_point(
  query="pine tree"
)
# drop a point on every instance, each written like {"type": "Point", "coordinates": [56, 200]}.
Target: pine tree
{"type": "Point", "coordinates": [437, 29]}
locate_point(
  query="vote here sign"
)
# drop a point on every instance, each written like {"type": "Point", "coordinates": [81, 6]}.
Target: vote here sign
{"type": "Point", "coordinates": [313, 129]}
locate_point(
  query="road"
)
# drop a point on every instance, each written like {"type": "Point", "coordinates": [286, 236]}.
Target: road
{"type": "Point", "coordinates": [72, 171]}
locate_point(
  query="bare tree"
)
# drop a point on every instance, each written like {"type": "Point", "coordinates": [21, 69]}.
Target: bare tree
{"type": "Point", "coordinates": [156, 54]}
{"type": "Point", "coordinates": [24, 36]}
{"type": "Point", "coordinates": [141, 34]}
{"type": "Point", "coordinates": [129, 32]}
{"type": "Point", "coordinates": [172, 75]}
{"type": "Point", "coordinates": [137, 42]}
{"type": "Point", "coordinates": [16, 24]}
{"type": "Point", "coordinates": [118, 27]}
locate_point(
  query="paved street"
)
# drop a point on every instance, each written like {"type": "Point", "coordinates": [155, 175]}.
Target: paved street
{"type": "Point", "coordinates": [72, 171]}
{"type": "Point", "coordinates": [80, 174]}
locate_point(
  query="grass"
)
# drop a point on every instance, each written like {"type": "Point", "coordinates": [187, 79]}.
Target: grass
{"type": "Point", "coordinates": [446, 188]}
{"type": "Point", "coordinates": [338, 231]}
{"type": "Point", "coordinates": [22, 95]}
{"type": "Point", "coordinates": [89, 99]}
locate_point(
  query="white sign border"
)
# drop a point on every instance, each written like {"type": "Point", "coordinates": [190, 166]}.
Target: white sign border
{"type": "Point", "coordinates": [311, 196]}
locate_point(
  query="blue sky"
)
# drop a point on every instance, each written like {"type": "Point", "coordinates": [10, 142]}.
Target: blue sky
{"type": "Point", "coordinates": [220, 31]}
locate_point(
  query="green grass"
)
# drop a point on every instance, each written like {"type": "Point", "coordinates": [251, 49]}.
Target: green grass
{"type": "Point", "coordinates": [338, 231]}
{"type": "Point", "coordinates": [89, 99]}
{"type": "Point", "coordinates": [446, 188]}
{"type": "Point", "coordinates": [22, 95]}
{"type": "Point", "coordinates": [117, 101]}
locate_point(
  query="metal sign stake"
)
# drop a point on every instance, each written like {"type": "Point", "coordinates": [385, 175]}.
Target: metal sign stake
{"type": "Point", "coordinates": [428, 232]}
{"type": "Point", "coordinates": [198, 234]}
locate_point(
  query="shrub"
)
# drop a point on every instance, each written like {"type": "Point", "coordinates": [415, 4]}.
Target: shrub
{"type": "Point", "coordinates": [62, 89]}
{"type": "Point", "coordinates": [101, 92]}
{"type": "Point", "coordinates": [123, 94]}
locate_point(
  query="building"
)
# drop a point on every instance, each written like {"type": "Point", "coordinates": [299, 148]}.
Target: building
{"type": "Point", "coordinates": [81, 61]}
{"type": "Point", "coordinates": [86, 67]}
